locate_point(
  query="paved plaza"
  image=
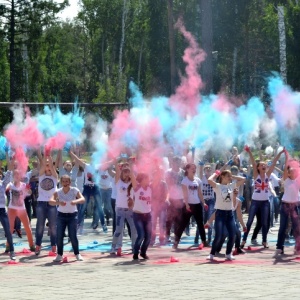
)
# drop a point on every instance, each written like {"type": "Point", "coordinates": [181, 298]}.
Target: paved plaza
{"type": "Point", "coordinates": [103, 276]}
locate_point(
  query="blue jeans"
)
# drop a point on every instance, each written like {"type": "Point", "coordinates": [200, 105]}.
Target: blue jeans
{"type": "Point", "coordinates": [289, 210]}
{"type": "Point", "coordinates": [224, 218]}
{"type": "Point", "coordinates": [276, 207]}
{"type": "Point", "coordinates": [206, 215]}
{"type": "Point", "coordinates": [272, 210]}
{"type": "Point", "coordinates": [106, 200]}
{"type": "Point", "coordinates": [264, 208]}
{"type": "Point", "coordinates": [89, 191]}
{"type": "Point", "coordinates": [67, 220]}
{"type": "Point", "coordinates": [143, 227]}
{"type": "Point", "coordinates": [159, 212]}
{"type": "Point", "coordinates": [45, 211]}
{"type": "Point", "coordinates": [5, 224]}
{"type": "Point", "coordinates": [123, 214]}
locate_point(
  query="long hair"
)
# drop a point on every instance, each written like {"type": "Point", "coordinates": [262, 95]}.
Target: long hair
{"type": "Point", "coordinates": [187, 167]}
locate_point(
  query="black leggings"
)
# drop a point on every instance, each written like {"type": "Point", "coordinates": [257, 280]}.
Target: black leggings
{"type": "Point", "coordinates": [197, 212]}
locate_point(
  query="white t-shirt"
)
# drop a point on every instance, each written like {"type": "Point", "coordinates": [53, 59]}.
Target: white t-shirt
{"type": "Point", "coordinates": [105, 180]}
{"type": "Point", "coordinates": [17, 196]}
{"type": "Point", "coordinates": [261, 189]}
{"type": "Point", "coordinates": [121, 195]}
{"type": "Point", "coordinates": [142, 200]}
{"type": "Point", "coordinates": [274, 180]}
{"type": "Point", "coordinates": [291, 191]}
{"type": "Point", "coordinates": [192, 187]}
{"type": "Point", "coordinates": [67, 197]}
{"type": "Point", "coordinates": [207, 190]}
{"type": "Point", "coordinates": [46, 188]}
{"type": "Point", "coordinates": [174, 180]}
{"type": "Point", "coordinates": [224, 196]}
{"type": "Point", "coordinates": [80, 181]}
{"type": "Point", "coordinates": [114, 190]}
{"type": "Point", "coordinates": [89, 177]}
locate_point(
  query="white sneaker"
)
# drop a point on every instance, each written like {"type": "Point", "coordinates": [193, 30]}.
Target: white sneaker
{"type": "Point", "coordinates": [210, 257]}
{"type": "Point", "coordinates": [229, 257]}
{"type": "Point", "coordinates": [79, 257]}
{"type": "Point", "coordinates": [277, 253]}
{"type": "Point", "coordinates": [58, 258]}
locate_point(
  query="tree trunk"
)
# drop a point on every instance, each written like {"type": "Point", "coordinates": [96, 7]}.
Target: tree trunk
{"type": "Point", "coordinates": [171, 45]}
{"type": "Point", "coordinates": [140, 61]}
{"type": "Point", "coordinates": [207, 43]}
{"type": "Point", "coordinates": [124, 16]}
{"type": "Point", "coordinates": [282, 43]}
{"type": "Point", "coordinates": [12, 52]}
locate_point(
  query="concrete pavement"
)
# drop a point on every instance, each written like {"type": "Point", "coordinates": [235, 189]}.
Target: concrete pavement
{"type": "Point", "coordinates": [104, 276]}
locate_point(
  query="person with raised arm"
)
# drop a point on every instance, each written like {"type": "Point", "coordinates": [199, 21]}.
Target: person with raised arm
{"type": "Point", "coordinates": [48, 179]}
{"type": "Point", "coordinates": [66, 199]}
{"type": "Point", "coordinates": [224, 215]}
{"type": "Point", "coordinates": [289, 206]}
{"type": "Point", "coordinates": [90, 189]}
{"type": "Point", "coordinates": [260, 197]}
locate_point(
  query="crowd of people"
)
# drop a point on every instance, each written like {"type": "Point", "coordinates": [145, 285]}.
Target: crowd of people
{"type": "Point", "coordinates": [156, 207]}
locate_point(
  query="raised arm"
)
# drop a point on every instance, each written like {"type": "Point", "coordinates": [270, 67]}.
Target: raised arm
{"type": "Point", "coordinates": [52, 167]}
{"type": "Point", "coordinates": [212, 179]}
{"type": "Point", "coordinates": [271, 168]}
{"type": "Point", "coordinates": [285, 171]}
{"type": "Point", "coordinates": [240, 180]}
{"type": "Point", "coordinates": [132, 176]}
{"type": "Point", "coordinates": [77, 160]}
{"type": "Point", "coordinates": [254, 165]}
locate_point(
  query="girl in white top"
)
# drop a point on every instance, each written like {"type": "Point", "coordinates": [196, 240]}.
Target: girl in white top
{"type": "Point", "coordinates": [141, 213]}
{"type": "Point", "coordinates": [225, 204]}
{"type": "Point", "coordinates": [193, 197]}
{"type": "Point", "coordinates": [289, 206]}
{"type": "Point", "coordinates": [123, 208]}
{"type": "Point", "coordinates": [16, 208]}
{"type": "Point", "coordinates": [47, 186]}
{"type": "Point", "coordinates": [260, 198]}
{"type": "Point", "coordinates": [67, 198]}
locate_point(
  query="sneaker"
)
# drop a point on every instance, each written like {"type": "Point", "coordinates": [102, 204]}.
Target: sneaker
{"type": "Point", "coordinates": [12, 255]}
{"type": "Point", "coordinates": [95, 226]}
{"type": "Point", "coordinates": [210, 257]}
{"type": "Point", "coordinates": [58, 258]}
{"type": "Point", "coordinates": [135, 256]}
{"type": "Point", "coordinates": [104, 227]}
{"type": "Point", "coordinates": [119, 252]}
{"type": "Point", "coordinates": [254, 242]}
{"type": "Point", "coordinates": [32, 248]}
{"type": "Point", "coordinates": [144, 256]}
{"type": "Point", "coordinates": [79, 257]}
{"type": "Point", "coordinates": [277, 253]}
{"type": "Point", "coordinates": [229, 257]}
{"type": "Point", "coordinates": [37, 250]}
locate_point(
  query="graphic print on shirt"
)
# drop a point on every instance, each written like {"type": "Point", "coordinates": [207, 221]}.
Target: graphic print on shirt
{"type": "Point", "coordinates": [16, 197]}
{"type": "Point", "coordinates": [89, 178]}
{"type": "Point", "coordinates": [143, 198]}
{"type": "Point", "coordinates": [193, 187]}
{"type": "Point", "coordinates": [225, 192]}
{"type": "Point", "coordinates": [207, 190]}
{"type": "Point", "coordinates": [47, 184]}
{"type": "Point", "coordinates": [261, 186]}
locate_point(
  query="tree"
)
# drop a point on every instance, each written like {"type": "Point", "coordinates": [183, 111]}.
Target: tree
{"type": "Point", "coordinates": [19, 15]}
